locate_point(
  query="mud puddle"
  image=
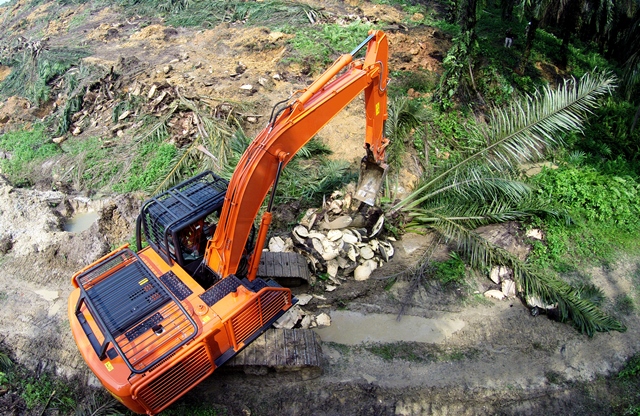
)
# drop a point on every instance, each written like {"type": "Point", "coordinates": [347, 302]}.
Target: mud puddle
{"type": "Point", "coordinates": [352, 328]}
{"type": "Point", "coordinates": [80, 222]}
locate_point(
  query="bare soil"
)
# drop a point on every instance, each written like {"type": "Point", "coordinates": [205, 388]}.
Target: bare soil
{"type": "Point", "coordinates": [503, 361]}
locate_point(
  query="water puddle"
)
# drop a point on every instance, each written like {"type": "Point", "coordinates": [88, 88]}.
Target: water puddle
{"type": "Point", "coordinates": [351, 328]}
{"type": "Point", "coordinates": [80, 222]}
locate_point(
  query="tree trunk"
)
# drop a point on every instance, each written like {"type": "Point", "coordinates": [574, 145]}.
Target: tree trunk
{"type": "Point", "coordinates": [506, 7]}
{"type": "Point", "coordinates": [564, 50]}
{"type": "Point", "coordinates": [531, 35]}
{"type": "Point", "coordinates": [635, 119]}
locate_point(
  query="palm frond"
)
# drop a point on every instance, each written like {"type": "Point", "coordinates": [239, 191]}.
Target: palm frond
{"type": "Point", "coordinates": [210, 149]}
{"type": "Point", "coordinates": [550, 290]}
{"type": "Point", "coordinates": [404, 114]}
{"type": "Point", "coordinates": [5, 361]}
{"type": "Point", "coordinates": [526, 130]}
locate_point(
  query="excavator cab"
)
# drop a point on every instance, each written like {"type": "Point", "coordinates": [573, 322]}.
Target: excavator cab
{"type": "Point", "coordinates": [178, 222]}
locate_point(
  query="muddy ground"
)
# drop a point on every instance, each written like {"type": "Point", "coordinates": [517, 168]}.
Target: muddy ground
{"type": "Point", "coordinates": [501, 360]}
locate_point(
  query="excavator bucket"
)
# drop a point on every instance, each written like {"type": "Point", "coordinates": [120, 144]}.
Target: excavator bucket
{"type": "Point", "coordinates": [371, 176]}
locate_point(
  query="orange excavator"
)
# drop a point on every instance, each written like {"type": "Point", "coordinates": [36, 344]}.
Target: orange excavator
{"type": "Point", "coordinates": [151, 325]}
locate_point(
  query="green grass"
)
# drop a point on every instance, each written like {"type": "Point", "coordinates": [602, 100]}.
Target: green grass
{"type": "Point", "coordinates": [421, 81]}
{"type": "Point", "coordinates": [46, 390]}
{"type": "Point", "coordinates": [450, 271]}
{"type": "Point", "coordinates": [320, 45]}
{"type": "Point", "coordinates": [605, 209]}
{"type": "Point", "coordinates": [25, 147]}
{"type": "Point", "coordinates": [95, 166]}
{"type": "Point", "coordinates": [418, 352]}
{"type": "Point", "coordinates": [150, 166]}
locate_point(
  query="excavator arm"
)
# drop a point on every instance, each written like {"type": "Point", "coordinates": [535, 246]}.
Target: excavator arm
{"type": "Point", "coordinates": [289, 130]}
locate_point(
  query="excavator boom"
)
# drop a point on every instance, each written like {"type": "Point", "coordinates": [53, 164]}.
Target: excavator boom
{"type": "Point", "coordinates": [293, 127]}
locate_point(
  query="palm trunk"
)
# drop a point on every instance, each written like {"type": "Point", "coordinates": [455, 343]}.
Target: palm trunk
{"type": "Point", "coordinates": [531, 35]}
{"type": "Point", "coordinates": [635, 119]}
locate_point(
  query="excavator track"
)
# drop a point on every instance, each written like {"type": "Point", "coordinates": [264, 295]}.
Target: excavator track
{"type": "Point", "coordinates": [288, 269]}
{"type": "Point", "coordinates": [295, 351]}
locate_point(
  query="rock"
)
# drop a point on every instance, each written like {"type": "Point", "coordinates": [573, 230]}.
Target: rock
{"type": "Point", "coordinates": [301, 231]}
{"type": "Point", "coordinates": [304, 299]}
{"type": "Point", "coordinates": [352, 253]}
{"type": "Point", "coordinates": [377, 226]}
{"type": "Point", "coordinates": [332, 268]}
{"type": "Point", "coordinates": [323, 319]}
{"type": "Point", "coordinates": [372, 264]}
{"type": "Point", "coordinates": [266, 83]}
{"type": "Point", "coordinates": [306, 322]}
{"type": "Point", "coordinates": [174, 61]}
{"type": "Point", "coordinates": [329, 288]}
{"type": "Point", "coordinates": [76, 131]}
{"type": "Point", "coordinates": [124, 115]}
{"type": "Point", "coordinates": [509, 288]}
{"type": "Point", "coordinates": [49, 295]}
{"type": "Point", "coordinates": [317, 245]}
{"type": "Point", "coordinates": [349, 238]}
{"type": "Point", "coordinates": [166, 69]}
{"type": "Point", "coordinates": [152, 91]}
{"type": "Point", "coordinates": [500, 273]}
{"type": "Point", "coordinates": [240, 68]}
{"type": "Point", "coordinates": [338, 223]}
{"type": "Point", "coordinates": [6, 243]}
{"type": "Point", "coordinates": [334, 235]}
{"type": "Point", "coordinates": [309, 218]}
{"type": "Point", "coordinates": [247, 89]}
{"type": "Point", "coordinates": [289, 319]}
{"type": "Point", "coordinates": [366, 252]}
{"type": "Point", "coordinates": [362, 272]}
{"type": "Point", "coordinates": [275, 36]}
{"type": "Point", "coordinates": [496, 294]}
{"type": "Point", "coordinates": [535, 233]}
{"type": "Point", "coordinates": [58, 140]}
{"type": "Point", "coordinates": [276, 244]}
{"type": "Point", "coordinates": [536, 302]}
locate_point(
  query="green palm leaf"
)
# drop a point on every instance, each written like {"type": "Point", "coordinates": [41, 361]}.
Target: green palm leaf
{"type": "Point", "coordinates": [484, 188]}
{"type": "Point", "coordinates": [550, 290]}
{"type": "Point", "coordinates": [526, 130]}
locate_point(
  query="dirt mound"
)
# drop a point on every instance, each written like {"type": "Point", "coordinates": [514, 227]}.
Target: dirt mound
{"type": "Point", "coordinates": [5, 71]}
{"type": "Point", "coordinates": [15, 111]}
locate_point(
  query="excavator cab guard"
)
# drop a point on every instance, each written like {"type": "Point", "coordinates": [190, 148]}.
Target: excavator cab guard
{"type": "Point", "coordinates": [177, 223]}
